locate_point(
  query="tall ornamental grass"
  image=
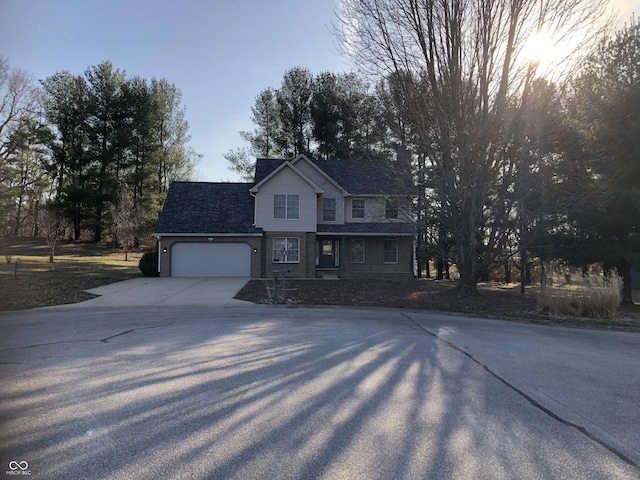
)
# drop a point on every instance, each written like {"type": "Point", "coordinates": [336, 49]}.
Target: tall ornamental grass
{"type": "Point", "coordinates": [595, 297]}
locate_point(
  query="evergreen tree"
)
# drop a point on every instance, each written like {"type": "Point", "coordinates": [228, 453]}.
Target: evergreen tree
{"type": "Point", "coordinates": [112, 133]}
{"type": "Point", "coordinates": [106, 111]}
{"type": "Point", "coordinates": [268, 123]}
{"type": "Point", "coordinates": [294, 108]}
{"type": "Point", "coordinates": [66, 110]}
{"type": "Point", "coordinates": [606, 110]}
{"type": "Point", "coordinates": [326, 115]}
{"type": "Point", "coordinates": [25, 175]}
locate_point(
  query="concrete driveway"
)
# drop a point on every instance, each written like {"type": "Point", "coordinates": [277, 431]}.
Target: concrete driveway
{"type": "Point", "coordinates": [149, 291]}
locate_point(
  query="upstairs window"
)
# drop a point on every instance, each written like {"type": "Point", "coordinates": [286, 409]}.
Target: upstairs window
{"type": "Point", "coordinates": [357, 208]}
{"type": "Point", "coordinates": [391, 209]}
{"type": "Point", "coordinates": [286, 206]}
{"type": "Point", "coordinates": [328, 209]}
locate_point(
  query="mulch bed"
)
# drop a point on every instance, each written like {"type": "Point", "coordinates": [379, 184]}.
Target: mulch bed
{"type": "Point", "coordinates": [494, 301]}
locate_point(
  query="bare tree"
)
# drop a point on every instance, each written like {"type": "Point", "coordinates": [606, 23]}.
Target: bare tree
{"type": "Point", "coordinates": [53, 224]}
{"type": "Point", "coordinates": [465, 70]}
{"type": "Point", "coordinates": [19, 97]}
{"type": "Point", "coordinates": [19, 104]}
{"type": "Point", "coordinates": [126, 220]}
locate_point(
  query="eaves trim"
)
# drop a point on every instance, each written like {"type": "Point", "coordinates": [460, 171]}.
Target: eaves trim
{"type": "Point", "coordinates": [286, 164]}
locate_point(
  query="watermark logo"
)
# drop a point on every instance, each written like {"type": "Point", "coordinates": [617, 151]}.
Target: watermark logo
{"type": "Point", "coordinates": [18, 468]}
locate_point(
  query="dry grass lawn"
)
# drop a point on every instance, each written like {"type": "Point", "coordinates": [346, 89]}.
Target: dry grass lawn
{"type": "Point", "coordinates": [28, 280]}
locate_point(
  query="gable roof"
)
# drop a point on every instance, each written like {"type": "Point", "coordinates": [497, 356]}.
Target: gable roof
{"type": "Point", "coordinates": [358, 177]}
{"type": "Point", "coordinates": [304, 159]}
{"type": "Point", "coordinates": [207, 208]}
{"type": "Point", "coordinates": [282, 166]}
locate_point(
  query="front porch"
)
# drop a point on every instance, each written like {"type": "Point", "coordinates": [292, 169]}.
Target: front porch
{"type": "Point", "coordinates": [344, 256]}
{"type": "Point", "coordinates": [339, 255]}
{"type": "Point", "coordinates": [329, 255]}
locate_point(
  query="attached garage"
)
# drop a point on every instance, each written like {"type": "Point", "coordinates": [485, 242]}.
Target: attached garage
{"type": "Point", "coordinates": [194, 259]}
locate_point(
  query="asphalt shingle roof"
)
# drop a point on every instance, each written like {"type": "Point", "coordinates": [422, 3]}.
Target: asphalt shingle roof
{"type": "Point", "coordinates": [358, 177]}
{"type": "Point", "coordinates": [202, 208]}
{"type": "Point", "coordinates": [198, 207]}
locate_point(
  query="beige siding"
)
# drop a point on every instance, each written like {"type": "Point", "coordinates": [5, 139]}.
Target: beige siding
{"type": "Point", "coordinates": [340, 201]}
{"type": "Point", "coordinates": [312, 173]}
{"type": "Point", "coordinates": [286, 182]}
{"type": "Point", "coordinates": [329, 190]}
{"type": "Point", "coordinates": [374, 210]}
{"type": "Point", "coordinates": [374, 258]}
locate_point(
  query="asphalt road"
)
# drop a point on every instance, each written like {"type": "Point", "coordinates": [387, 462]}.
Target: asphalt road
{"type": "Point", "coordinates": [303, 393]}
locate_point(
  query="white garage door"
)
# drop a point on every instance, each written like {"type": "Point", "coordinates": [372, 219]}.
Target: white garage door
{"type": "Point", "coordinates": [211, 260]}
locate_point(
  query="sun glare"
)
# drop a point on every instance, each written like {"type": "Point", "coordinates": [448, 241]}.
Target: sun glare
{"type": "Point", "coordinates": [552, 53]}
{"type": "Point", "coordinates": [539, 47]}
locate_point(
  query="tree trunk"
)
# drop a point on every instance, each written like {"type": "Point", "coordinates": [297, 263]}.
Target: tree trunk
{"type": "Point", "coordinates": [76, 227]}
{"type": "Point", "coordinates": [439, 268]}
{"type": "Point", "coordinates": [507, 272]}
{"type": "Point", "coordinates": [97, 228]}
{"type": "Point", "coordinates": [523, 270]}
{"type": "Point", "coordinates": [469, 275]}
{"type": "Point", "coordinates": [624, 271]}
{"type": "Point", "coordinates": [467, 286]}
{"type": "Point", "coordinates": [36, 219]}
{"type": "Point", "coordinates": [16, 231]}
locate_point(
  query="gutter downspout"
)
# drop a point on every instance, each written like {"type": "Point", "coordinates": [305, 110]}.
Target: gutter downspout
{"type": "Point", "coordinates": [254, 207]}
{"type": "Point", "coordinates": [343, 253]}
{"type": "Point", "coordinates": [159, 254]}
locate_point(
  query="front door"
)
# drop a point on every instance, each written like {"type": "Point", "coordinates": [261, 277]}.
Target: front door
{"type": "Point", "coordinates": [328, 253]}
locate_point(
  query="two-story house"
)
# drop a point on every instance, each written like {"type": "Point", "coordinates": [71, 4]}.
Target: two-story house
{"type": "Point", "coordinates": [304, 218]}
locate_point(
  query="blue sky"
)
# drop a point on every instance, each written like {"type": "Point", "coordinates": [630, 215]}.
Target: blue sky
{"type": "Point", "coordinates": [219, 53]}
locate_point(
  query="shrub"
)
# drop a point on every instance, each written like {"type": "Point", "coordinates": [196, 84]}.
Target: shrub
{"type": "Point", "coordinates": [149, 264]}
{"type": "Point", "coordinates": [594, 297]}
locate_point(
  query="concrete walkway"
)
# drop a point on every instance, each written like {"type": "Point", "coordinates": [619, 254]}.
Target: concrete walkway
{"type": "Point", "coordinates": [148, 291]}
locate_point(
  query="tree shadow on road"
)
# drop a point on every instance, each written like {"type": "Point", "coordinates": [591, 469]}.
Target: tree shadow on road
{"type": "Point", "coordinates": [277, 396]}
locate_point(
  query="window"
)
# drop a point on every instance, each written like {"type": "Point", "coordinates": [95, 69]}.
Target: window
{"type": "Point", "coordinates": [357, 250]}
{"type": "Point", "coordinates": [286, 250]}
{"type": "Point", "coordinates": [357, 208]}
{"type": "Point", "coordinates": [328, 209]}
{"type": "Point", "coordinates": [390, 251]}
{"type": "Point", "coordinates": [286, 206]}
{"type": "Point", "coordinates": [391, 209]}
